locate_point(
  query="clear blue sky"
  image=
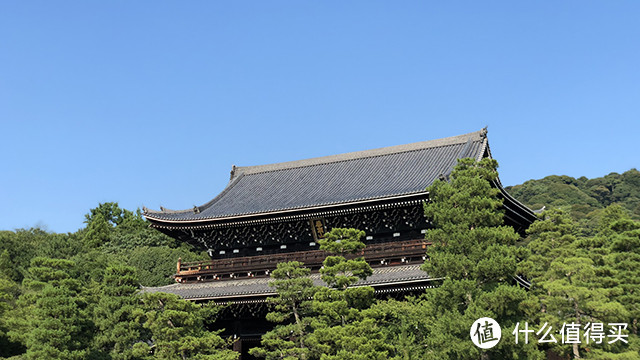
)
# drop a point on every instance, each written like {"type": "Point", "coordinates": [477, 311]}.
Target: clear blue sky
{"type": "Point", "coordinates": [151, 102]}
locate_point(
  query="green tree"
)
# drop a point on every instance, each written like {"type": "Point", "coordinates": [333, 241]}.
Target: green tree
{"type": "Point", "coordinates": [340, 328]}
{"type": "Point", "coordinates": [118, 315]}
{"type": "Point", "coordinates": [25, 244]}
{"type": "Point", "coordinates": [7, 268]}
{"type": "Point", "coordinates": [548, 239]}
{"type": "Point", "coordinates": [338, 272]}
{"type": "Point", "coordinates": [571, 282]}
{"type": "Point", "coordinates": [178, 331]}
{"type": "Point", "coordinates": [292, 307]}
{"type": "Point", "coordinates": [134, 231]}
{"type": "Point", "coordinates": [624, 258]}
{"type": "Point", "coordinates": [97, 232]}
{"type": "Point", "coordinates": [9, 293]}
{"type": "Point", "coordinates": [362, 339]}
{"type": "Point", "coordinates": [110, 212]}
{"type": "Point", "coordinates": [329, 326]}
{"type": "Point", "coordinates": [338, 303]}
{"type": "Point", "coordinates": [476, 255]}
{"type": "Point", "coordinates": [153, 263]}
{"type": "Point", "coordinates": [51, 319]}
{"type": "Point", "coordinates": [403, 326]}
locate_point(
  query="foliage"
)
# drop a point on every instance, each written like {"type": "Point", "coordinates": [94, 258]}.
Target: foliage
{"type": "Point", "coordinates": [178, 331]}
{"type": "Point", "coordinates": [324, 322]}
{"type": "Point", "coordinates": [340, 329]}
{"type": "Point", "coordinates": [477, 257]}
{"type": "Point", "coordinates": [23, 245]}
{"type": "Point", "coordinates": [583, 199]}
{"type": "Point", "coordinates": [578, 279]}
{"type": "Point", "coordinates": [9, 293]}
{"type": "Point", "coordinates": [97, 232]}
{"type": "Point", "coordinates": [358, 340]}
{"type": "Point", "coordinates": [118, 315]}
{"type": "Point", "coordinates": [109, 212]}
{"type": "Point", "coordinates": [292, 306]}
{"type": "Point", "coordinates": [77, 297]}
{"type": "Point", "coordinates": [155, 264]}
{"type": "Point", "coordinates": [52, 321]}
{"type": "Point", "coordinates": [403, 325]}
{"type": "Point", "coordinates": [623, 258]}
{"type": "Point", "coordinates": [337, 271]}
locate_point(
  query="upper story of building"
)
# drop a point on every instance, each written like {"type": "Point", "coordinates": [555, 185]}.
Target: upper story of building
{"type": "Point", "coordinates": [285, 207]}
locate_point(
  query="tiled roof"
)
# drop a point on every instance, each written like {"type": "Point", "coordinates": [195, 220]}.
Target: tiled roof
{"type": "Point", "coordinates": [337, 179]}
{"type": "Point", "coordinates": [255, 287]}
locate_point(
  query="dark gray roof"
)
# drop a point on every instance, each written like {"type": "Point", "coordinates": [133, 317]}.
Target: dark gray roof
{"type": "Point", "coordinates": [338, 179]}
{"type": "Point", "coordinates": [257, 287]}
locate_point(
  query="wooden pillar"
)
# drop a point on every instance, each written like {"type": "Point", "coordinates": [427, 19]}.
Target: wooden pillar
{"type": "Point", "coordinates": [237, 347]}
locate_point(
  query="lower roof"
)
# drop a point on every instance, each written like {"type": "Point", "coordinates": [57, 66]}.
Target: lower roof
{"type": "Point", "coordinates": [248, 288]}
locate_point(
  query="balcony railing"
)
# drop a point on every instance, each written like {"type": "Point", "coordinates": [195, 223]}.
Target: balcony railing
{"type": "Point", "coordinates": [261, 265]}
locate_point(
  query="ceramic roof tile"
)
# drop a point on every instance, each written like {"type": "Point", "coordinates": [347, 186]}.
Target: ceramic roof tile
{"type": "Point", "coordinates": [336, 179]}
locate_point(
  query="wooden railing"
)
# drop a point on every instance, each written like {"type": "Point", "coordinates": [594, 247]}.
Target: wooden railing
{"type": "Point", "coordinates": [250, 266]}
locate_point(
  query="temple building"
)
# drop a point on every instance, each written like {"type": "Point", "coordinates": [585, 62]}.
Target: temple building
{"type": "Point", "coordinates": [275, 213]}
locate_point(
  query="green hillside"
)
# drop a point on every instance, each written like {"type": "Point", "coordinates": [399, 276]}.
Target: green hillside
{"type": "Point", "coordinates": [582, 198]}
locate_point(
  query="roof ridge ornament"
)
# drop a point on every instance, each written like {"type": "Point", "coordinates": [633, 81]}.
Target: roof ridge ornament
{"type": "Point", "coordinates": [363, 154]}
{"type": "Point", "coordinates": [196, 210]}
{"type": "Point", "coordinates": [233, 171]}
{"type": "Point", "coordinates": [484, 131]}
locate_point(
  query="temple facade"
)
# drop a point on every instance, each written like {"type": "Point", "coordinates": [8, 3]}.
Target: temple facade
{"type": "Point", "coordinates": [274, 213]}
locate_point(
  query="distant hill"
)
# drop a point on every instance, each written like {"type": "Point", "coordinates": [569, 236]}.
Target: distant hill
{"type": "Point", "coordinates": [582, 198]}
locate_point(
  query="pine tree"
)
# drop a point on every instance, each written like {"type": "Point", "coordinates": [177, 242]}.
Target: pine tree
{"type": "Point", "coordinates": [572, 283]}
{"type": "Point", "coordinates": [51, 319]}
{"type": "Point", "coordinates": [622, 240]}
{"type": "Point", "coordinates": [7, 269]}
{"type": "Point", "coordinates": [178, 331]}
{"type": "Point", "coordinates": [97, 232]}
{"type": "Point", "coordinates": [118, 315]}
{"type": "Point", "coordinates": [624, 257]}
{"type": "Point", "coordinates": [403, 325]}
{"type": "Point", "coordinates": [341, 330]}
{"type": "Point", "coordinates": [476, 255]}
{"type": "Point", "coordinates": [325, 322]}
{"type": "Point", "coordinates": [292, 307]}
{"type": "Point", "coordinates": [9, 293]}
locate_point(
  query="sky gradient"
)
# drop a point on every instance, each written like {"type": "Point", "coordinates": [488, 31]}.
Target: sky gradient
{"type": "Point", "coordinates": [150, 103]}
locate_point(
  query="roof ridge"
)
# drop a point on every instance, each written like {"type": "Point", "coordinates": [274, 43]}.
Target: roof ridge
{"type": "Point", "coordinates": [396, 149]}
{"type": "Point", "coordinates": [336, 161]}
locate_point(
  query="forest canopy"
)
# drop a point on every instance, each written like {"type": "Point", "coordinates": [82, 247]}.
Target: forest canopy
{"type": "Point", "coordinates": [77, 295]}
{"type": "Point", "coordinates": [583, 199]}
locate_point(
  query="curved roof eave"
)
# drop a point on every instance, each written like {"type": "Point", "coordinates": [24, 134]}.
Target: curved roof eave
{"type": "Point", "coordinates": [284, 212]}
